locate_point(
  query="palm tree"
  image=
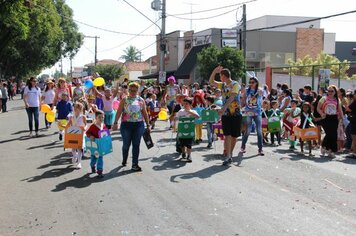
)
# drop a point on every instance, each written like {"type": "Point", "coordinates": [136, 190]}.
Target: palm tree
{"type": "Point", "coordinates": [131, 53]}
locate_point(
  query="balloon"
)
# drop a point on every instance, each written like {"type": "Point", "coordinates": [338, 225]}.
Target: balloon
{"type": "Point", "coordinates": [99, 82]}
{"type": "Point", "coordinates": [50, 116]}
{"type": "Point", "coordinates": [116, 105]}
{"type": "Point", "coordinates": [162, 115]}
{"type": "Point", "coordinates": [88, 84]}
{"type": "Point", "coordinates": [45, 108]}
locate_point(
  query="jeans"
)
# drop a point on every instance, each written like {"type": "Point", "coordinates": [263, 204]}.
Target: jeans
{"type": "Point", "coordinates": [131, 132]}
{"type": "Point", "coordinates": [32, 112]}
{"type": "Point", "coordinates": [98, 163]}
{"type": "Point", "coordinates": [3, 105]}
{"type": "Point", "coordinates": [258, 123]}
{"type": "Point", "coordinates": [210, 132]}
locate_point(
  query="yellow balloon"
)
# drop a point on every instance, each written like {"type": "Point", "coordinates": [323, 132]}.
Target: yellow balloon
{"type": "Point", "coordinates": [50, 116]}
{"type": "Point", "coordinates": [162, 115]}
{"type": "Point", "coordinates": [99, 82]}
{"type": "Point", "coordinates": [45, 108]}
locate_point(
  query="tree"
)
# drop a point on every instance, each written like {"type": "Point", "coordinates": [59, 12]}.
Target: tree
{"type": "Point", "coordinates": [109, 72]}
{"type": "Point", "coordinates": [304, 66]}
{"type": "Point", "coordinates": [227, 57]}
{"type": "Point", "coordinates": [131, 53]}
{"type": "Point", "coordinates": [37, 36]}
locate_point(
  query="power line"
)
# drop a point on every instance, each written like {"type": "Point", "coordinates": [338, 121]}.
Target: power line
{"type": "Point", "coordinates": [212, 9]}
{"type": "Point", "coordinates": [204, 18]}
{"type": "Point", "coordinates": [130, 39]}
{"type": "Point", "coordinates": [148, 46]}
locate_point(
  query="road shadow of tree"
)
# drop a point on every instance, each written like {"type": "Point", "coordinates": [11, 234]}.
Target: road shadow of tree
{"type": "Point", "coordinates": [58, 160]}
{"type": "Point", "coordinates": [200, 174]}
{"type": "Point", "coordinates": [167, 162]}
{"type": "Point", "coordinates": [87, 180]}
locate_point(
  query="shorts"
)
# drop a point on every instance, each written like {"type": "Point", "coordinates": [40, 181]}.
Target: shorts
{"type": "Point", "coordinates": [231, 125]}
{"type": "Point", "coordinates": [186, 142]}
{"type": "Point", "coordinates": [109, 117]}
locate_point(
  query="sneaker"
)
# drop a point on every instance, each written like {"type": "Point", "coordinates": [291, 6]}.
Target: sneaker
{"type": "Point", "coordinates": [227, 161]}
{"type": "Point", "coordinates": [311, 154]}
{"type": "Point", "coordinates": [74, 160]}
{"type": "Point", "coordinates": [60, 137]}
{"type": "Point", "coordinates": [184, 157]}
{"type": "Point", "coordinates": [100, 175]}
{"type": "Point", "coordinates": [243, 150]}
{"type": "Point", "coordinates": [30, 135]}
{"type": "Point", "coordinates": [79, 166]}
{"type": "Point", "coordinates": [331, 155]}
{"type": "Point", "coordinates": [93, 169]}
{"type": "Point", "coordinates": [291, 147]}
{"type": "Point", "coordinates": [322, 151]}
{"type": "Point", "coordinates": [189, 159]}
{"type": "Point", "coordinates": [260, 152]}
{"type": "Point", "coordinates": [209, 145]}
{"type": "Point", "coordinates": [123, 163]}
{"type": "Point", "coordinates": [136, 168]}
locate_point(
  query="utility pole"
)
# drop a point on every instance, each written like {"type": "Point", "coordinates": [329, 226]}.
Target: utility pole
{"type": "Point", "coordinates": [96, 47]}
{"type": "Point", "coordinates": [244, 40]}
{"type": "Point", "coordinates": [162, 39]}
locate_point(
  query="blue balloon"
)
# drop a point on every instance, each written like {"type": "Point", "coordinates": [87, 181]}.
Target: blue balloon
{"type": "Point", "coordinates": [88, 84]}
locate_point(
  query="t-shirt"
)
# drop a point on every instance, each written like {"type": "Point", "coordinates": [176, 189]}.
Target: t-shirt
{"type": "Point", "coordinates": [94, 130]}
{"type": "Point", "coordinates": [227, 90]}
{"type": "Point", "coordinates": [329, 106]}
{"type": "Point", "coordinates": [63, 109]}
{"type": "Point", "coordinates": [172, 92]}
{"type": "Point", "coordinates": [253, 102]}
{"type": "Point", "coordinates": [49, 96]}
{"type": "Point", "coordinates": [185, 114]}
{"type": "Point", "coordinates": [133, 109]}
{"type": "Point", "coordinates": [33, 96]}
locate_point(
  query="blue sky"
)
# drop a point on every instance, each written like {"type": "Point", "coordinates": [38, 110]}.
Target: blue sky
{"type": "Point", "coordinates": [118, 16]}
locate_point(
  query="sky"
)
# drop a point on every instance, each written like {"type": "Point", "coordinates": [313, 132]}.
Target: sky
{"type": "Point", "coordinates": [119, 16]}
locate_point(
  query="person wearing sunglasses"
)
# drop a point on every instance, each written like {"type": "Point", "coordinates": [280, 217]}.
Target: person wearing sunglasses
{"type": "Point", "coordinates": [133, 113]}
{"type": "Point", "coordinates": [329, 108]}
{"type": "Point", "coordinates": [252, 101]}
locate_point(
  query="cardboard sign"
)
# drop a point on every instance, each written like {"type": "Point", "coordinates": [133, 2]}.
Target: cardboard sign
{"type": "Point", "coordinates": [209, 115]}
{"type": "Point", "coordinates": [274, 124]}
{"type": "Point", "coordinates": [306, 134]}
{"type": "Point", "coordinates": [186, 128]}
{"type": "Point", "coordinates": [73, 137]}
{"type": "Point", "coordinates": [264, 125]}
{"type": "Point", "coordinates": [99, 147]}
{"type": "Point", "coordinates": [199, 111]}
{"type": "Point", "coordinates": [218, 130]}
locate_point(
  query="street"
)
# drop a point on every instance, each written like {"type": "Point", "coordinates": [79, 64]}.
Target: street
{"type": "Point", "coordinates": [281, 193]}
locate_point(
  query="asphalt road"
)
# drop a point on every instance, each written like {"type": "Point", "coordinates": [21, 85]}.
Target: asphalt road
{"type": "Point", "coordinates": [282, 193]}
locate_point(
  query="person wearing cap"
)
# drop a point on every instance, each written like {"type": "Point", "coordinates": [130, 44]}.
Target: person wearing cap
{"type": "Point", "coordinates": [172, 90]}
{"type": "Point", "coordinates": [48, 98]}
{"type": "Point", "coordinates": [64, 108]}
{"type": "Point", "coordinates": [252, 102]}
{"type": "Point", "coordinates": [32, 97]}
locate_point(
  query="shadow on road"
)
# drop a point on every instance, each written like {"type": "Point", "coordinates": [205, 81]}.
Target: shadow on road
{"type": "Point", "coordinates": [45, 146]}
{"type": "Point", "coordinates": [58, 160]}
{"type": "Point", "coordinates": [54, 173]}
{"type": "Point", "coordinates": [201, 174]}
{"type": "Point", "coordinates": [167, 162]}
{"type": "Point", "coordinates": [86, 180]}
{"type": "Point", "coordinates": [26, 131]}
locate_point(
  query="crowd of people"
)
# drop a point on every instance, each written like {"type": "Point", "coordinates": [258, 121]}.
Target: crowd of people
{"type": "Point", "coordinates": [273, 114]}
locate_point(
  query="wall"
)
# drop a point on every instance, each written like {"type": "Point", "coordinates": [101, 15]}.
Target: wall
{"type": "Point", "coordinates": [309, 42]}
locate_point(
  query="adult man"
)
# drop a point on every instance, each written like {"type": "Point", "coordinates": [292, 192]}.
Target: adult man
{"type": "Point", "coordinates": [230, 111]}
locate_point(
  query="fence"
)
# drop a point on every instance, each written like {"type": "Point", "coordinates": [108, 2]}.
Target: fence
{"type": "Point", "coordinates": [343, 75]}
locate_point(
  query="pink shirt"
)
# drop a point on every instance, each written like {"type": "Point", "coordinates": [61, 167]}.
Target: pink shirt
{"type": "Point", "coordinates": [108, 104]}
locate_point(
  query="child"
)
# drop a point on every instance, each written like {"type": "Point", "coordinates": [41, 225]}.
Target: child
{"type": "Point", "coordinates": [152, 106]}
{"type": "Point", "coordinates": [64, 108]}
{"type": "Point", "coordinates": [209, 125]}
{"type": "Point", "coordinates": [305, 122]}
{"type": "Point", "coordinates": [96, 164]}
{"type": "Point", "coordinates": [108, 109]}
{"type": "Point", "coordinates": [186, 144]}
{"type": "Point", "coordinates": [198, 103]}
{"type": "Point", "coordinates": [290, 121]}
{"type": "Point", "coordinates": [78, 91]}
{"type": "Point", "coordinates": [274, 111]}
{"type": "Point", "coordinates": [265, 108]}
{"type": "Point", "coordinates": [77, 119]}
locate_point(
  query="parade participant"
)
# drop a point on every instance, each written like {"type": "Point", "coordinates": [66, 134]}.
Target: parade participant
{"type": "Point", "coordinates": [306, 118]}
{"type": "Point", "coordinates": [77, 119]}
{"type": "Point", "coordinates": [209, 125]}
{"type": "Point", "coordinates": [32, 97]}
{"type": "Point", "coordinates": [152, 105]}
{"type": "Point", "coordinates": [352, 119]}
{"type": "Point", "coordinates": [96, 164]}
{"type": "Point", "coordinates": [133, 111]}
{"type": "Point", "coordinates": [78, 91]}
{"type": "Point", "coordinates": [290, 120]}
{"type": "Point", "coordinates": [61, 88]}
{"type": "Point", "coordinates": [48, 98]}
{"type": "Point", "coordinates": [172, 90]}
{"type": "Point", "coordinates": [64, 108]}
{"type": "Point", "coordinates": [286, 99]}
{"type": "Point", "coordinates": [317, 118]}
{"type": "Point", "coordinates": [4, 96]}
{"type": "Point", "coordinates": [198, 102]}
{"type": "Point", "coordinates": [265, 108]}
{"type": "Point", "coordinates": [186, 143]}
{"type": "Point", "coordinates": [230, 111]}
{"type": "Point", "coordinates": [252, 101]}
{"type": "Point", "coordinates": [274, 111]}
{"type": "Point", "coordinates": [329, 108]}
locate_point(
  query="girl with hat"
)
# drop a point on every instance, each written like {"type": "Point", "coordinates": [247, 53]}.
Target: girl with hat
{"type": "Point", "coordinates": [48, 98]}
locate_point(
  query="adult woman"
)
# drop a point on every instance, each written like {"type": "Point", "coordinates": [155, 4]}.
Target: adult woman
{"type": "Point", "coordinates": [61, 88]}
{"type": "Point", "coordinates": [172, 90]}
{"type": "Point", "coordinates": [32, 96]}
{"type": "Point", "coordinates": [352, 118]}
{"type": "Point", "coordinates": [329, 108]}
{"type": "Point", "coordinates": [286, 99]}
{"type": "Point", "coordinates": [4, 97]}
{"type": "Point", "coordinates": [133, 111]}
{"type": "Point", "coordinates": [252, 101]}
{"type": "Point", "coordinates": [48, 98]}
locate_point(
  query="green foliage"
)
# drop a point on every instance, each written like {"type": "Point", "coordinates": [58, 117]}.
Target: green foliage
{"type": "Point", "coordinates": [304, 66]}
{"type": "Point", "coordinates": [131, 53]}
{"type": "Point", "coordinates": [109, 72]}
{"type": "Point", "coordinates": [35, 35]}
{"type": "Point", "coordinates": [227, 57]}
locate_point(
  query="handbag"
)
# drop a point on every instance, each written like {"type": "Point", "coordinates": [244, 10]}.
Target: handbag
{"type": "Point", "coordinates": [148, 139]}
